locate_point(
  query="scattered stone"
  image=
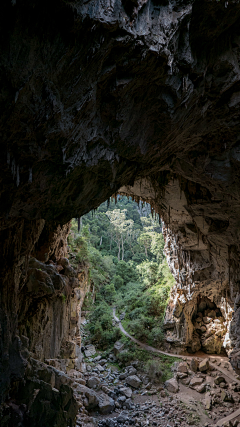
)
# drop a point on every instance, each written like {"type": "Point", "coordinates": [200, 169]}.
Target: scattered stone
{"type": "Point", "coordinates": [128, 404]}
{"type": "Point", "coordinates": [123, 417]}
{"type": "Point", "coordinates": [102, 362]}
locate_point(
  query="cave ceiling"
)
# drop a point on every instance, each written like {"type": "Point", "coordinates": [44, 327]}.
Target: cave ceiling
{"type": "Point", "coordinates": [95, 95]}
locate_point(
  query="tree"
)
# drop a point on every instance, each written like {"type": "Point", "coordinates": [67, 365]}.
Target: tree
{"type": "Point", "coordinates": [122, 228]}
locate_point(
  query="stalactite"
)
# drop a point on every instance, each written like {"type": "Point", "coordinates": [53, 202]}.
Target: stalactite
{"type": "Point", "coordinates": [13, 168]}
{"type": "Point", "coordinates": [30, 175]}
{"type": "Point", "coordinates": [18, 177]}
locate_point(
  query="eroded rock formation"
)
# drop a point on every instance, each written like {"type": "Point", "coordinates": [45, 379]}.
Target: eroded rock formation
{"type": "Point", "coordinates": [98, 96]}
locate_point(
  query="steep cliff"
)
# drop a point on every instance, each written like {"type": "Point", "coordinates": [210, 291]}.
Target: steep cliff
{"type": "Point", "coordinates": [96, 96]}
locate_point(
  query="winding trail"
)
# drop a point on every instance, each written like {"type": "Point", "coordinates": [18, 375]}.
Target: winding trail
{"type": "Point", "coordinates": [155, 350]}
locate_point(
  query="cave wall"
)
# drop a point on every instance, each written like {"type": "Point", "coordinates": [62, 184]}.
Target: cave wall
{"type": "Point", "coordinates": [201, 251]}
{"type": "Point", "coordinates": [97, 97]}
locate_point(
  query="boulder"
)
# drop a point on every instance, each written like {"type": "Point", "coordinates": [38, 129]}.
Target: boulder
{"type": "Point", "coordinates": [212, 344]}
{"type": "Point", "coordinates": [105, 403]}
{"type": "Point", "coordinates": [207, 320]}
{"type": "Point", "coordinates": [128, 403]}
{"type": "Point", "coordinates": [182, 367]}
{"type": "Point", "coordinates": [132, 370]}
{"type": "Point", "coordinates": [219, 379]}
{"type": "Point", "coordinates": [202, 306]}
{"type": "Point", "coordinates": [123, 376]}
{"type": "Point", "coordinates": [196, 381]}
{"type": "Point", "coordinates": [212, 314]}
{"type": "Point", "coordinates": [126, 391]}
{"type": "Point", "coordinates": [226, 396]}
{"type": "Point", "coordinates": [208, 401]}
{"type": "Point", "coordinates": [185, 381]}
{"type": "Point", "coordinates": [204, 365]}
{"type": "Point", "coordinates": [194, 365]}
{"type": "Point", "coordinates": [118, 347]}
{"type": "Point", "coordinates": [200, 388]}
{"type": "Point", "coordinates": [121, 399]}
{"type": "Point", "coordinates": [172, 385]}
{"type": "Point", "coordinates": [105, 389]}
{"type": "Point", "coordinates": [182, 375]}
{"type": "Point", "coordinates": [133, 381]}
{"type": "Point", "coordinates": [89, 350]}
{"type": "Point", "coordinates": [90, 394]}
{"type": "Point", "coordinates": [93, 382]}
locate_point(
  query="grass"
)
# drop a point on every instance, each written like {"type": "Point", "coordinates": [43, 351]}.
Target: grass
{"type": "Point", "coordinates": [135, 353]}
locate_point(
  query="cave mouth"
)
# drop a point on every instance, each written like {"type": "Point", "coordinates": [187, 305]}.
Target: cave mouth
{"type": "Point", "coordinates": [209, 328]}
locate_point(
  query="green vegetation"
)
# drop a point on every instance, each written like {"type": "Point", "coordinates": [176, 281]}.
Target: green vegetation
{"type": "Point", "coordinates": [123, 246]}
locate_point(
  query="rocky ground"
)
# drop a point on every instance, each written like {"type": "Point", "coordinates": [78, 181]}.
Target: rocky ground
{"type": "Point", "coordinates": [197, 394]}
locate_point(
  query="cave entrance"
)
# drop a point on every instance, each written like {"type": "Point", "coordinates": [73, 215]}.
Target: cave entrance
{"type": "Point", "coordinates": [209, 327]}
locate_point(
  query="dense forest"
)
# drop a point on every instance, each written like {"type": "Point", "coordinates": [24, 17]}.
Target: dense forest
{"type": "Point", "coordinates": [122, 244]}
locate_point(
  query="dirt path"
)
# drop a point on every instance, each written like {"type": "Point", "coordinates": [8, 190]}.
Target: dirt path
{"type": "Point", "coordinates": [155, 350]}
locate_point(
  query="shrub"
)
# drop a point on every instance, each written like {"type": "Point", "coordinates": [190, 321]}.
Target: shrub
{"type": "Point", "coordinates": [153, 369]}
{"type": "Point", "coordinates": [118, 281]}
{"type": "Point", "coordinates": [100, 326]}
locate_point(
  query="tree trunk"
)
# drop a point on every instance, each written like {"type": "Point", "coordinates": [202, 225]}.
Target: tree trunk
{"type": "Point", "coordinates": [122, 250]}
{"type": "Point", "coordinates": [119, 250]}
